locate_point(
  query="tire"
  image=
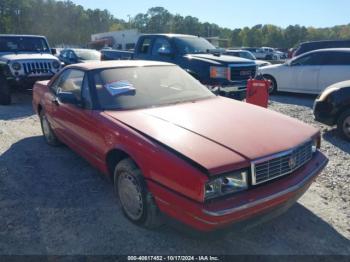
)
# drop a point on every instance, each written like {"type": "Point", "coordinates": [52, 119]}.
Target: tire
{"type": "Point", "coordinates": [273, 87]}
{"type": "Point", "coordinates": [5, 92]}
{"type": "Point", "coordinates": [129, 183]}
{"type": "Point", "coordinates": [343, 124]}
{"type": "Point", "coordinates": [48, 133]}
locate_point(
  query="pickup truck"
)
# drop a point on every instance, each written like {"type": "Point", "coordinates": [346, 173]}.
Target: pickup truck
{"type": "Point", "coordinates": [227, 74]}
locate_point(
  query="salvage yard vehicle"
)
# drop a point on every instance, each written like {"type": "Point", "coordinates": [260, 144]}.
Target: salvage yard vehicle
{"type": "Point", "coordinates": [200, 59]}
{"type": "Point", "coordinates": [247, 55]}
{"type": "Point", "coordinates": [24, 59]}
{"type": "Point", "coordinates": [259, 53]}
{"type": "Point", "coordinates": [315, 45]}
{"type": "Point", "coordinates": [332, 107]}
{"type": "Point", "coordinates": [71, 56]}
{"type": "Point", "coordinates": [311, 72]}
{"type": "Point", "coordinates": [162, 138]}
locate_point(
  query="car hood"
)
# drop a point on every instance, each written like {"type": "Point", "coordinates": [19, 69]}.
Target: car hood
{"type": "Point", "coordinates": [14, 57]}
{"type": "Point", "coordinates": [218, 133]}
{"type": "Point", "coordinates": [215, 59]}
{"type": "Point", "coordinates": [262, 63]}
{"type": "Point", "coordinates": [270, 68]}
{"type": "Point", "coordinates": [339, 85]}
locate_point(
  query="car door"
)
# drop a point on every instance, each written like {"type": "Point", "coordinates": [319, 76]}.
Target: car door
{"type": "Point", "coordinates": [304, 73]}
{"type": "Point", "coordinates": [336, 68]}
{"type": "Point", "coordinates": [75, 122]}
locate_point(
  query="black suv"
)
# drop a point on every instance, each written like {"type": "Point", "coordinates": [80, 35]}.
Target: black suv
{"type": "Point", "coordinates": [24, 59]}
{"type": "Point", "coordinates": [314, 45]}
{"type": "Point", "coordinates": [332, 107]}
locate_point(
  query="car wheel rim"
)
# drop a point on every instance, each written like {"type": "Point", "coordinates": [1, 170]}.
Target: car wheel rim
{"type": "Point", "coordinates": [346, 126]}
{"type": "Point", "coordinates": [46, 128]}
{"type": "Point", "coordinates": [130, 196]}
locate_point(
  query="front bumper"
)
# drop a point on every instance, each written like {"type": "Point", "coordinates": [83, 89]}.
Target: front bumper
{"type": "Point", "coordinates": [235, 92]}
{"type": "Point", "coordinates": [260, 200]}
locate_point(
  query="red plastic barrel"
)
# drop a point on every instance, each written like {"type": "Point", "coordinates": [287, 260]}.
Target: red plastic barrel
{"type": "Point", "coordinates": [258, 92]}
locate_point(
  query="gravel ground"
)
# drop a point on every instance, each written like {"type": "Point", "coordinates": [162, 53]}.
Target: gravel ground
{"type": "Point", "coordinates": [53, 202]}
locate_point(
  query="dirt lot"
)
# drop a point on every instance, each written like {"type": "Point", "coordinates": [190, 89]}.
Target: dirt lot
{"type": "Point", "coordinates": [53, 202]}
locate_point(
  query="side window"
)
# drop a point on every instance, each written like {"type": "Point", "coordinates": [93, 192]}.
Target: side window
{"type": "Point", "coordinates": [309, 60]}
{"type": "Point", "coordinates": [71, 55]}
{"type": "Point", "coordinates": [72, 82]}
{"type": "Point", "coordinates": [145, 46]}
{"type": "Point", "coordinates": [337, 58]}
{"type": "Point", "coordinates": [58, 82]}
{"type": "Point", "coordinates": [160, 43]}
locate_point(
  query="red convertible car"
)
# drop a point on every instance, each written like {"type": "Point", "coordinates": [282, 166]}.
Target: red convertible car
{"type": "Point", "coordinates": [172, 147]}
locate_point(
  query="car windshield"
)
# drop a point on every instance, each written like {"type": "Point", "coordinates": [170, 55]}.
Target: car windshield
{"type": "Point", "coordinates": [88, 54]}
{"type": "Point", "coordinates": [142, 87]}
{"type": "Point", "coordinates": [23, 44]}
{"type": "Point", "coordinates": [193, 45]}
{"type": "Point", "coordinates": [247, 55]}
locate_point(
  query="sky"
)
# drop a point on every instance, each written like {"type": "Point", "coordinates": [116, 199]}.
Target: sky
{"type": "Point", "coordinates": [238, 14]}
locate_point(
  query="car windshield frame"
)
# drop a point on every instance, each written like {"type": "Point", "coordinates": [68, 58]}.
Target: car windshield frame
{"type": "Point", "coordinates": [207, 94]}
{"type": "Point", "coordinates": [20, 45]}
{"type": "Point", "coordinates": [193, 45]}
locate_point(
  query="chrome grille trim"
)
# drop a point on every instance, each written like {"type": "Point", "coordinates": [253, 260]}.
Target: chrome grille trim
{"type": "Point", "coordinates": [277, 165]}
{"type": "Point", "coordinates": [236, 69]}
{"type": "Point", "coordinates": [37, 68]}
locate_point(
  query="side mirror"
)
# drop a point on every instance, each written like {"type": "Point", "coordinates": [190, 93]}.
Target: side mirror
{"type": "Point", "coordinates": [67, 98]}
{"type": "Point", "coordinates": [165, 51]}
{"type": "Point", "coordinates": [53, 51]}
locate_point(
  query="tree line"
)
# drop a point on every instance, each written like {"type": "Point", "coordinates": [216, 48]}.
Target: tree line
{"type": "Point", "coordinates": [64, 22]}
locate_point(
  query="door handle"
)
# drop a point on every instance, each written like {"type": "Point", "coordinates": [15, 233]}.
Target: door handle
{"type": "Point", "coordinates": [55, 101]}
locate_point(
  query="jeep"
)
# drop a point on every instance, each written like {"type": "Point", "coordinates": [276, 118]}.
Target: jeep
{"type": "Point", "coordinates": [24, 59]}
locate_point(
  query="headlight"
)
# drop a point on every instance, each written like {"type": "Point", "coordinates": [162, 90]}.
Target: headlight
{"type": "Point", "coordinates": [56, 64]}
{"type": "Point", "coordinates": [16, 66]}
{"type": "Point", "coordinates": [316, 143]}
{"type": "Point", "coordinates": [219, 72]}
{"type": "Point", "coordinates": [226, 184]}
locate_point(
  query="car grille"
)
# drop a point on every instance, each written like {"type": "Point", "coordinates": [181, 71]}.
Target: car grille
{"type": "Point", "coordinates": [281, 164]}
{"type": "Point", "coordinates": [242, 72]}
{"type": "Point", "coordinates": [37, 68]}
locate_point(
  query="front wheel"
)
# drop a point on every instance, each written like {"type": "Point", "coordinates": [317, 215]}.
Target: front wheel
{"type": "Point", "coordinates": [343, 124]}
{"type": "Point", "coordinates": [136, 201]}
{"type": "Point", "coordinates": [273, 86]}
{"type": "Point", "coordinates": [5, 92]}
{"type": "Point", "coordinates": [48, 133]}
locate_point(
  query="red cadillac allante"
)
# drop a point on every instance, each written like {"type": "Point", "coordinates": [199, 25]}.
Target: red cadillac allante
{"type": "Point", "coordinates": [173, 147]}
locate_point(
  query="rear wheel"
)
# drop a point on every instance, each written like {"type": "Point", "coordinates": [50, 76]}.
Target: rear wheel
{"type": "Point", "coordinates": [5, 92]}
{"type": "Point", "coordinates": [343, 124]}
{"type": "Point", "coordinates": [273, 86]}
{"type": "Point", "coordinates": [136, 201]}
{"type": "Point", "coordinates": [48, 133]}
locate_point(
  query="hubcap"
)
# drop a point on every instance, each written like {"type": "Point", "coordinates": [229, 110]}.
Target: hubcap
{"type": "Point", "coordinates": [346, 126]}
{"type": "Point", "coordinates": [130, 195]}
